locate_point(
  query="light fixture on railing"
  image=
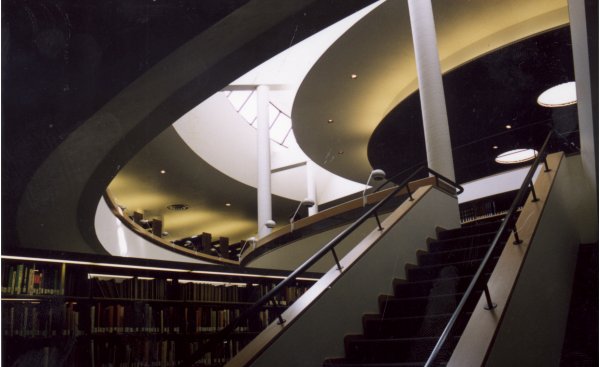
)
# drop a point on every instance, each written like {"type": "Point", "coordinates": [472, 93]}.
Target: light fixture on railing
{"type": "Point", "coordinates": [270, 223]}
{"type": "Point", "coordinates": [307, 203]}
{"type": "Point", "coordinates": [376, 175]}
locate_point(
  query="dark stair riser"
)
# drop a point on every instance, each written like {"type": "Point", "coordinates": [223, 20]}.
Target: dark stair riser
{"type": "Point", "coordinates": [447, 271]}
{"type": "Point", "coordinates": [393, 350]}
{"type": "Point", "coordinates": [468, 231]}
{"type": "Point", "coordinates": [422, 306]}
{"type": "Point", "coordinates": [403, 288]}
{"type": "Point", "coordinates": [452, 256]}
{"type": "Point", "coordinates": [464, 242]}
{"type": "Point", "coordinates": [375, 326]}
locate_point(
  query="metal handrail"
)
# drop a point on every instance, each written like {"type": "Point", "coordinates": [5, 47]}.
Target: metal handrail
{"type": "Point", "coordinates": [508, 219]}
{"type": "Point", "coordinates": [330, 246]}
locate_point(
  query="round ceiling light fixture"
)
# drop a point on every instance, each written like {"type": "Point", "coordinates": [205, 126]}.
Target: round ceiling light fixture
{"type": "Point", "coordinates": [178, 207]}
{"type": "Point", "coordinates": [516, 156]}
{"type": "Point", "coordinates": [558, 96]}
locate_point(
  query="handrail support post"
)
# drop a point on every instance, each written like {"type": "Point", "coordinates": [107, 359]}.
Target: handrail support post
{"type": "Point", "coordinates": [547, 169]}
{"type": "Point", "coordinates": [490, 305]}
{"type": "Point", "coordinates": [280, 320]}
{"type": "Point", "coordinates": [409, 193]}
{"type": "Point", "coordinates": [337, 261]}
{"type": "Point", "coordinates": [535, 198]}
{"type": "Point", "coordinates": [378, 221]}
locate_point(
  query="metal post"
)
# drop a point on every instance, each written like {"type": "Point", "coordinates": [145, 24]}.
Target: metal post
{"type": "Point", "coordinates": [280, 321]}
{"type": "Point", "coordinates": [546, 164]}
{"type": "Point", "coordinates": [337, 261]}
{"type": "Point", "coordinates": [378, 222]}
{"type": "Point", "coordinates": [490, 305]}
{"type": "Point", "coordinates": [535, 198]}
{"type": "Point", "coordinates": [409, 193]}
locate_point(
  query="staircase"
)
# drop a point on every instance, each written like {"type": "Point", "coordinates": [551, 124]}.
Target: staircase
{"type": "Point", "coordinates": [410, 322]}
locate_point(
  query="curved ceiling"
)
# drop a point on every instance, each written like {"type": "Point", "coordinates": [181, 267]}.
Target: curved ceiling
{"type": "Point", "coordinates": [57, 203]}
{"type": "Point", "coordinates": [378, 49]}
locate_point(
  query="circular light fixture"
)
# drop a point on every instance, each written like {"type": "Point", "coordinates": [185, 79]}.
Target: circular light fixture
{"type": "Point", "coordinates": [558, 96]}
{"type": "Point", "coordinates": [516, 156]}
{"type": "Point", "coordinates": [330, 121]}
{"type": "Point", "coordinates": [227, 204]}
{"type": "Point", "coordinates": [340, 152]}
{"type": "Point", "coordinates": [353, 76]}
{"type": "Point", "coordinates": [162, 171]}
{"type": "Point", "coordinates": [508, 126]}
{"type": "Point", "coordinates": [495, 147]}
{"type": "Point", "coordinates": [178, 207]}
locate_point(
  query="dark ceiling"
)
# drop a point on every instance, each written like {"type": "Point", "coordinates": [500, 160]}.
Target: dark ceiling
{"type": "Point", "coordinates": [63, 60]}
{"type": "Point", "coordinates": [482, 97]}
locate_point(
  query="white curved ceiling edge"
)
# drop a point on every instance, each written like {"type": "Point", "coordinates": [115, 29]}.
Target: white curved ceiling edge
{"type": "Point", "coordinates": [289, 68]}
{"type": "Point", "coordinates": [223, 139]}
{"type": "Point", "coordinates": [229, 144]}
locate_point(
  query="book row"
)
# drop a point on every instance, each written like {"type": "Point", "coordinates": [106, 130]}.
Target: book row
{"type": "Point", "coordinates": [163, 289]}
{"type": "Point", "coordinates": [32, 279]}
{"type": "Point", "coordinates": [72, 319]}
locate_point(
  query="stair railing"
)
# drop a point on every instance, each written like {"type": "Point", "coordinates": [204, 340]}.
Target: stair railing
{"type": "Point", "coordinates": [222, 334]}
{"type": "Point", "coordinates": [508, 223]}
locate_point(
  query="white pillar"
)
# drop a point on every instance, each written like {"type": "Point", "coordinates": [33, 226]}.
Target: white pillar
{"type": "Point", "coordinates": [431, 89]}
{"type": "Point", "coordinates": [588, 124]}
{"type": "Point", "coordinates": [311, 187]}
{"type": "Point", "coordinates": [263, 144]}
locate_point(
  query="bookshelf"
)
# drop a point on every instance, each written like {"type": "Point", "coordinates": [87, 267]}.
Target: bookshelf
{"type": "Point", "coordinates": [78, 310]}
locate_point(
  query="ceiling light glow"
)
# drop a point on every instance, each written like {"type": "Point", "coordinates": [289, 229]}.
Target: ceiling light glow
{"type": "Point", "coordinates": [353, 76]}
{"type": "Point", "coordinates": [516, 156]}
{"type": "Point", "coordinates": [162, 171]}
{"type": "Point", "coordinates": [508, 126]}
{"type": "Point", "coordinates": [558, 96]}
{"type": "Point", "coordinates": [330, 121]}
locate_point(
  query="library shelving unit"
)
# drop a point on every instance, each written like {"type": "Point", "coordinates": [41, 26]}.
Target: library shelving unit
{"type": "Point", "coordinates": [76, 309]}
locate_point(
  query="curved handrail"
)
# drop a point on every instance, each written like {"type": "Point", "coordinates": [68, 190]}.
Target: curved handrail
{"type": "Point", "coordinates": [330, 246]}
{"type": "Point", "coordinates": [508, 218]}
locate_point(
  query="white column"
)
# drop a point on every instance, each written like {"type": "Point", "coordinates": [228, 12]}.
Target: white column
{"type": "Point", "coordinates": [263, 144]}
{"type": "Point", "coordinates": [311, 187]}
{"type": "Point", "coordinates": [588, 130]}
{"type": "Point", "coordinates": [431, 89]}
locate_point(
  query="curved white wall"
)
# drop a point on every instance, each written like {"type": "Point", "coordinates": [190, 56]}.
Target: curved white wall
{"type": "Point", "coordinates": [119, 240]}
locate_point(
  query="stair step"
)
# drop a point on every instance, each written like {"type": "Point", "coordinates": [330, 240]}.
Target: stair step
{"type": "Point", "coordinates": [404, 288]}
{"type": "Point", "coordinates": [342, 362]}
{"type": "Point", "coordinates": [445, 273]}
{"type": "Point", "coordinates": [470, 230]}
{"type": "Point", "coordinates": [390, 306]}
{"type": "Point", "coordinates": [360, 349]}
{"type": "Point", "coordinates": [455, 255]}
{"type": "Point", "coordinates": [376, 326]}
{"type": "Point", "coordinates": [461, 242]}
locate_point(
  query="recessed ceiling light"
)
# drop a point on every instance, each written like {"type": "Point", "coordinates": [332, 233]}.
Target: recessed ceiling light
{"type": "Point", "coordinates": [340, 152]}
{"type": "Point", "coordinates": [227, 204]}
{"type": "Point", "coordinates": [558, 96]}
{"type": "Point", "coordinates": [353, 76]}
{"type": "Point", "coordinates": [516, 156]}
{"type": "Point", "coordinates": [508, 126]}
{"type": "Point", "coordinates": [162, 171]}
{"type": "Point", "coordinates": [495, 147]}
{"type": "Point", "coordinates": [330, 121]}
{"type": "Point", "coordinates": [178, 207]}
